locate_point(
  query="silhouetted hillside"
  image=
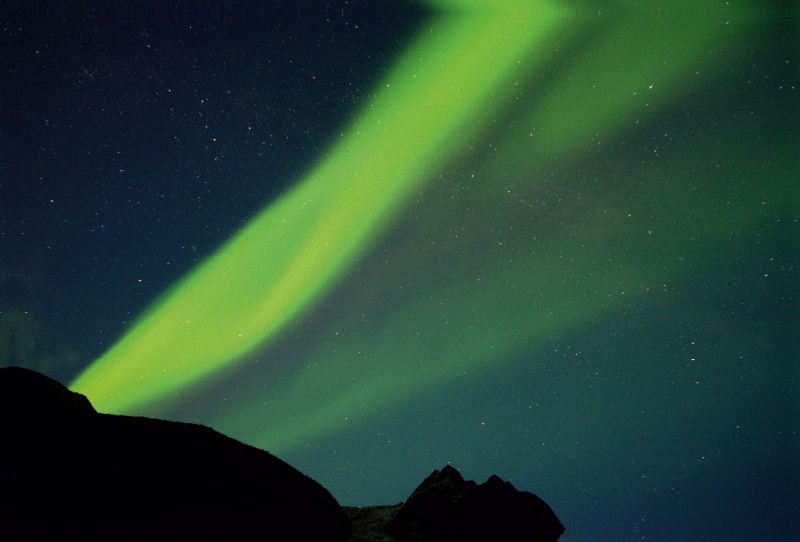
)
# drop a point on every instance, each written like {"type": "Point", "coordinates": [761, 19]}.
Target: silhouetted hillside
{"type": "Point", "coordinates": [67, 470]}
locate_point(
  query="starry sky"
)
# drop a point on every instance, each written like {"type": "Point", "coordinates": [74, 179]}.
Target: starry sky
{"type": "Point", "coordinates": [558, 244]}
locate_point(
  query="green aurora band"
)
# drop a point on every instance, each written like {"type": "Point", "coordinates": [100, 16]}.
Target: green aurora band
{"type": "Point", "coordinates": [300, 245]}
{"type": "Point", "coordinates": [475, 288]}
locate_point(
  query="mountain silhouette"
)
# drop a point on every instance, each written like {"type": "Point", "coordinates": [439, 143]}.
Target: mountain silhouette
{"type": "Point", "coordinates": [68, 470]}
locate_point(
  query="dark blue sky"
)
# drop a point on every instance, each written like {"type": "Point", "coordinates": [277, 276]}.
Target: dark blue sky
{"type": "Point", "coordinates": [140, 137]}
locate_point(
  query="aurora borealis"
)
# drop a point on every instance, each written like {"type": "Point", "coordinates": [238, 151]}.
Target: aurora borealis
{"type": "Point", "coordinates": [575, 268]}
{"type": "Point", "coordinates": [292, 251]}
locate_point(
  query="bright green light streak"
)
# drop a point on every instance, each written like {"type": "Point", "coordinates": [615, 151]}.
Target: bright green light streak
{"type": "Point", "coordinates": [433, 100]}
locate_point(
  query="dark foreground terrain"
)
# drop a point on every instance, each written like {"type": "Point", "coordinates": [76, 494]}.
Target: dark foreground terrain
{"type": "Point", "coordinates": [66, 470]}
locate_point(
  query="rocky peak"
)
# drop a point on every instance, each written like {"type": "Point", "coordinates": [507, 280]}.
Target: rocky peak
{"type": "Point", "coordinates": [446, 508]}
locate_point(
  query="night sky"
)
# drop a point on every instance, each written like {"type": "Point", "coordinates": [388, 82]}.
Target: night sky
{"type": "Point", "coordinates": [585, 282]}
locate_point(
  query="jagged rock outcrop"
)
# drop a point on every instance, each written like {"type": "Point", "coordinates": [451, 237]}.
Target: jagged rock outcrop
{"type": "Point", "coordinates": [66, 470]}
{"type": "Point", "coordinates": [446, 508]}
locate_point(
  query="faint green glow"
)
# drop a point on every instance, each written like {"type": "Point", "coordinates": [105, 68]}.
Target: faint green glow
{"type": "Point", "coordinates": [484, 302]}
{"type": "Point", "coordinates": [643, 58]}
{"type": "Point", "coordinates": [436, 96]}
{"type": "Point", "coordinates": [496, 294]}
